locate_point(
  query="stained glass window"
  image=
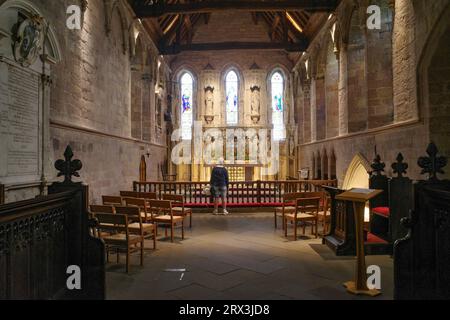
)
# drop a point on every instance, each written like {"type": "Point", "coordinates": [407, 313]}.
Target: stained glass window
{"type": "Point", "coordinates": [277, 83]}
{"type": "Point", "coordinates": [232, 106]}
{"type": "Point", "coordinates": [187, 89]}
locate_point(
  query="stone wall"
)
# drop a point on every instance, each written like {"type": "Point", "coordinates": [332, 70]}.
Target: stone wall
{"type": "Point", "coordinates": [390, 116]}
{"type": "Point", "coordinates": [91, 90]}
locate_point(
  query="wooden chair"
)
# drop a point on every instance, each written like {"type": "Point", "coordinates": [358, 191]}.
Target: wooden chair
{"type": "Point", "coordinates": [143, 205]}
{"type": "Point", "coordinates": [120, 239]}
{"type": "Point", "coordinates": [178, 207]}
{"type": "Point", "coordinates": [307, 210]}
{"type": "Point", "coordinates": [324, 215]}
{"type": "Point", "coordinates": [162, 213]}
{"type": "Point", "coordinates": [112, 201]}
{"type": "Point", "coordinates": [148, 195]}
{"type": "Point", "coordinates": [136, 226]}
{"type": "Point", "coordinates": [288, 207]}
{"type": "Point", "coordinates": [316, 194]}
{"type": "Point", "coordinates": [94, 209]}
{"type": "Point", "coordinates": [129, 194]}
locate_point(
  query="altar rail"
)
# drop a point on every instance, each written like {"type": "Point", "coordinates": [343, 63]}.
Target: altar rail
{"type": "Point", "coordinates": [40, 239]}
{"type": "Point", "coordinates": [240, 194]}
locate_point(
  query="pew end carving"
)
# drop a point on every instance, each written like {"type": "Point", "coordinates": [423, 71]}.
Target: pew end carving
{"type": "Point", "coordinates": [51, 233]}
{"type": "Point", "coordinates": [428, 237]}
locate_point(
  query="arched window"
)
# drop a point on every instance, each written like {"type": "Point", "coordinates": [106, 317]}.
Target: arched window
{"type": "Point", "coordinates": [232, 98]}
{"type": "Point", "coordinates": [277, 89]}
{"type": "Point", "coordinates": [187, 90]}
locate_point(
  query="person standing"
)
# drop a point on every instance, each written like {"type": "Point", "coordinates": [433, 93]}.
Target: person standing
{"type": "Point", "coordinates": [219, 186]}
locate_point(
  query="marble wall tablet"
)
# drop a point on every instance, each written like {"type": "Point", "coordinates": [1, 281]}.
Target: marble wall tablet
{"type": "Point", "coordinates": [19, 121]}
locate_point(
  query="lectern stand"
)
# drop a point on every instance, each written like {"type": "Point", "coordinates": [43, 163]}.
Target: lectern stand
{"type": "Point", "coordinates": [359, 197]}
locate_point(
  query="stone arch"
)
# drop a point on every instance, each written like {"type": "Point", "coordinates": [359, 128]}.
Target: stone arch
{"type": "Point", "coordinates": [135, 32]}
{"type": "Point", "coordinates": [29, 9]}
{"type": "Point", "coordinates": [357, 173]}
{"type": "Point", "coordinates": [320, 98]}
{"type": "Point", "coordinates": [434, 83]}
{"type": "Point", "coordinates": [356, 73]}
{"type": "Point", "coordinates": [332, 165]}
{"type": "Point", "coordinates": [344, 22]}
{"type": "Point", "coordinates": [116, 7]}
{"type": "Point", "coordinates": [139, 95]}
{"type": "Point", "coordinates": [138, 60]}
{"type": "Point", "coordinates": [331, 89]}
{"type": "Point", "coordinates": [318, 173]}
{"type": "Point", "coordinates": [325, 166]}
{"type": "Point", "coordinates": [379, 70]}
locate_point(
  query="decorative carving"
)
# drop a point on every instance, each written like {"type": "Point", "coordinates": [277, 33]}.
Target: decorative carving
{"type": "Point", "coordinates": [68, 167]}
{"type": "Point", "coordinates": [209, 104]}
{"type": "Point", "coordinates": [377, 166]}
{"type": "Point", "coordinates": [432, 164]}
{"type": "Point", "coordinates": [400, 167]}
{"type": "Point", "coordinates": [255, 104]}
{"type": "Point", "coordinates": [254, 66]}
{"type": "Point", "coordinates": [292, 145]}
{"type": "Point", "coordinates": [442, 219]}
{"type": "Point", "coordinates": [84, 5]}
{"type": "Point", "coordinates": [209, 67]}
{"type": "Point", "coordinates": [28, 37]}
{"type": "Point", "coordinates": [46, 80]}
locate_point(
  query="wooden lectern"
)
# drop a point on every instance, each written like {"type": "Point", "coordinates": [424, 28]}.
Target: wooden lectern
{"type": "Point", "coordinates": [359, 197]}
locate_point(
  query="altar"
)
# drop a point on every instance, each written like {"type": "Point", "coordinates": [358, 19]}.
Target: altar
{"type": "Point", "coordinates": [244, 171]}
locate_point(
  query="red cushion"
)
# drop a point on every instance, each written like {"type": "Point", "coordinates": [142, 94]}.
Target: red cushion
{"type": "Point", "coordinates": [198, 205]}
{"type": "Point", "coordinates": [384, 211]}
{"type": "Point", "coordinates": [371, 238]}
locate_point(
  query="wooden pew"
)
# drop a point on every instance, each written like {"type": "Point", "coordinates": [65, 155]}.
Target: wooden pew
{"type": "Point", "coordinates": [49, 234]}
{"type": "Point", "coordinates": [422, 257]}
{"type": "Point", "coordinates": [393, 204]}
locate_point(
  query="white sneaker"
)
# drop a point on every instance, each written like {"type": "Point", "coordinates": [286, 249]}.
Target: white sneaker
{"type": "Point", "coordinates": [225, 212]}
{"type": "Point", "coordinates": [215, 212]}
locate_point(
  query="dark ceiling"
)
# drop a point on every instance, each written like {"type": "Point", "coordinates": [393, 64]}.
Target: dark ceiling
{"type": "Point", "coordinates": [290, 24]}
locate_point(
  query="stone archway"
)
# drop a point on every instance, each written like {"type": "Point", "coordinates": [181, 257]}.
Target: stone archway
{"type": "Point", "coordinates": [357, 173]}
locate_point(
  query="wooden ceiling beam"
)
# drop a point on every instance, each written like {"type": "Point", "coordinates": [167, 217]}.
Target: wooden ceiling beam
{"type": "Point", "coordinates": [255, 17]}
{"type": "Point", "coordinates": [276, 21]}
{"type": "Point", "coordinates": [178, 48]}
{"type": "Point", "coordinates": [158, 9]}
{"type": "Point", "coordinates": [189, 31]}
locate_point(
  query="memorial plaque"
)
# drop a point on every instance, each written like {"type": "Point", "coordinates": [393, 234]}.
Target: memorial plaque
{"type": "Point", "coordinates": [19, 121]}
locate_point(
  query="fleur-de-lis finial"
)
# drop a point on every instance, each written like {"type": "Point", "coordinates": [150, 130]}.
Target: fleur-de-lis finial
{"type": "Point", "coordinates": [68, 167]}
{"type": "Point", "coordinates": [400, 167]}
{"type": "Point", "coordinates": [377, 165]}
{"type": "Point", "coordinates": [432, 164]}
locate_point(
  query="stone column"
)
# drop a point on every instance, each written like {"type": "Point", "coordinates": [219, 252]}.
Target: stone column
{"type": "Point", "coordinates": [46, 151]}
{"type": "Point", "coordinates": [404, 63]}
{"type": "Point", "coordinates": [307, 111]}
{"type": "Point", "coordinates": [343, 92]}
{"type": "Point", "coordinates": [313, 110]}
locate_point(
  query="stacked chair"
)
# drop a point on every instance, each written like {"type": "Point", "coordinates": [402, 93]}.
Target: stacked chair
{"type": "Point", "coordinates": [126, 221]}
{"type": "Point", "coordinates": [304, 209]}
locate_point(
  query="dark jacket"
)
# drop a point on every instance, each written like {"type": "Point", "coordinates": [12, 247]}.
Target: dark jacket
{"type": "Point", "coordinates": [219, 177]}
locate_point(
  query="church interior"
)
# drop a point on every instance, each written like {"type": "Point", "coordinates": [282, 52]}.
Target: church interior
{"type": "Point", "coordinates": [331, 118]}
